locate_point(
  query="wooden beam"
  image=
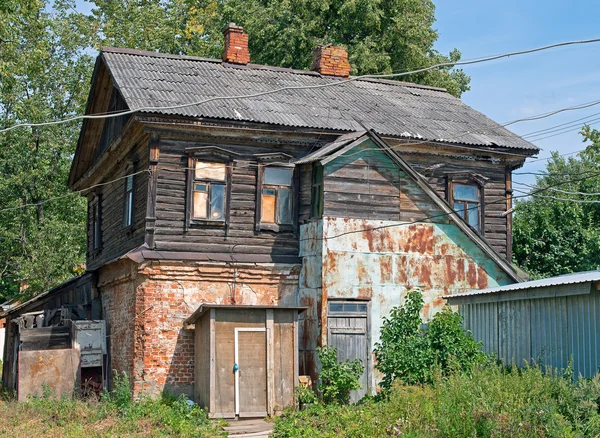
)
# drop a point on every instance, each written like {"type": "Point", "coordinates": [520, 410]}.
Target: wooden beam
{"type": "Point", "coordinates": [213, 350]}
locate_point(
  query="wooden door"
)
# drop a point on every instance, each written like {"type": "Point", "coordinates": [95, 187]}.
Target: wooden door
{"type": "Point", "coordinates": [347, 331]}
{"type": "Point", "coordinates": [251, 375]}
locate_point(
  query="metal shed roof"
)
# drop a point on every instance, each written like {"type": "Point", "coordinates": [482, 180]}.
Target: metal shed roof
{"type": "Point", "coordinates": [576, 278]}
{"type": "Point", "coordinates": [390, 108]}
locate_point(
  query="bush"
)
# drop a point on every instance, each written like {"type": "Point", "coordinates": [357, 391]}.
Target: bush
{"type": "Point", "coordinates": [483, 401]}
{"type": "Point", "coordinates": [408, 350]}
{"type": "Point", "coordinates": [337, 379]}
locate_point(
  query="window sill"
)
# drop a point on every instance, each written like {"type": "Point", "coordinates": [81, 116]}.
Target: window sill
{"type": "Point", "coordinates": [205, 223]}
{"type": "Point", "coordinates": [276, 228]}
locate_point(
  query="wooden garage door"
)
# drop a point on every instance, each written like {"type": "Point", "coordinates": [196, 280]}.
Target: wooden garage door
{"type": "Point", "coordinates": [347, 330]}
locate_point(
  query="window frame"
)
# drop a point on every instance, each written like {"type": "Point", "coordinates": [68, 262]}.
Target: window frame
{"type": "Point", "coordinates": [96, 225]}
{"type": "Point", "coordinates": [213, 154]}
{"type": "Point", "coordinates": [131, 224]}
{"type": "Point", "coordinates": [452, 182]}
{"type": "Point", "coordinates": [317, 192]}
{"type": "Point", "coordinates": [276, 227]}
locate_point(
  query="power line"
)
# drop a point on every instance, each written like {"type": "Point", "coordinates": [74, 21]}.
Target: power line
{"type": "Point", "coordinates": [553, 128]}
{"type": "Point", "coordinates": [551, 113]}
{"type": "Point", "coordinates": [312, 87]}
{"type": "Point", "coordinates": [566, 192]}
{"type": "Point", "coordinates": [579, 201]}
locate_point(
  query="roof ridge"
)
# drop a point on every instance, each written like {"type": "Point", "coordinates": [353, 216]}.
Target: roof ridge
{"type": "Point", "coordinates": [135, 52]}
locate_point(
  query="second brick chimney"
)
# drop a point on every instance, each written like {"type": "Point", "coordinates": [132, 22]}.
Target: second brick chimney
{"type": "Point", "coordinates": [236, 45]}
{"type": "Point", "coordinates": [331, 60]}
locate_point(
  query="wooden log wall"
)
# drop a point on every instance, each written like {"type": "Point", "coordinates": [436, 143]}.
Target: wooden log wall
{"type": "Point", "coordinates": [239, 239]}
{"type": "Point", "coordinates": [116, 238]}
{"type": "Point", "coordinates": [367, 184]}
{"type": "Point", "coordinates": [496, 230]}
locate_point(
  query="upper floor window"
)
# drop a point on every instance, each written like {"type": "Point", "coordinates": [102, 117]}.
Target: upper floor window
{"type": "Point", "coordinates": [467, 203]}
{"type": "Point", "coordinates": [276, 196]}
{"type": "Point", "coordinates": [96, 223]}
{"type": "Point", "coordinates": [128, 202]}
{"type": "Point", "coordinates": [209, 191]}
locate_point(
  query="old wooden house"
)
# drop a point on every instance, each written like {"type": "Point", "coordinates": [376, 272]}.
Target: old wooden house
{"type": "Point", "coordinates": [283, 209]}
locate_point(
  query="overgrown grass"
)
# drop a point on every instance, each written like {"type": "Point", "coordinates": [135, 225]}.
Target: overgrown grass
{"type": "Point", "coordinates": [486, 401]}
{"type": "Point", "coordinates": [115, 414]}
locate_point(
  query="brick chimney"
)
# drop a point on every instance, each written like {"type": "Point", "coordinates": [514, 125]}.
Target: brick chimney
{"type": "Point", "coordinates": [331, 60]}
{"type": "Point", "coordinates": [236, 45]}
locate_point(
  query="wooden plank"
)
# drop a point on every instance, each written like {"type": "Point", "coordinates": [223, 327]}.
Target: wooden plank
{"type": "Point", "coordinates": [270, 362]}
{"type": "Point", "coordinates": [213, 358]}
{"type": "Point", "coordinates": [252, 374]}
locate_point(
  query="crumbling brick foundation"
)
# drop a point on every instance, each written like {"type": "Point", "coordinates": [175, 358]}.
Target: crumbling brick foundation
{"type": "Point", "coordinates": [152, 345]}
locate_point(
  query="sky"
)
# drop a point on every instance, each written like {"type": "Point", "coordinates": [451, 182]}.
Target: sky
{"type": "Point", "coordinates": [526, 85]}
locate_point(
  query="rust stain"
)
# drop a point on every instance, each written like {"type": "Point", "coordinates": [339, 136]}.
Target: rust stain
{"type": "Point", "coordinates": [362, 272]}
{"type": "Point", "coordinates": [368, 233]}
{"type": "Point", "coordinates": [425, 274]}
{"type": "Point", "coordinates": [460, 271]}
{"type": "Point", "coordinates": [472, 274]}
{"type": "Point", "coordinates": [450, 270]}
{"type": "Point", "coordinates": [482, 278]}
{"type": "Point", "coordinates": [365, 293]}
{"type": "Point", "coordinates": [385, 268]}
{"type": "Point", "coordinates": [420, 239]}
{"type": "Point", "coordinates": [401, 267]}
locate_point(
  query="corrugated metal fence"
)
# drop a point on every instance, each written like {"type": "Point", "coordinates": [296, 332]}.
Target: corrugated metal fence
{"type": "Point", "coordinates": [546, 330]}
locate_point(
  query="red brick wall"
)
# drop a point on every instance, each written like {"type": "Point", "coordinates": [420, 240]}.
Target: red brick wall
{"type": "Point", "coordinates": [155, 349]}
{"type": "Point", "coordinates": [117, 286]}
{"type": "Point", "coordinates": [331, 60]}
{"type": "Point", "coordinates": [236, 45]}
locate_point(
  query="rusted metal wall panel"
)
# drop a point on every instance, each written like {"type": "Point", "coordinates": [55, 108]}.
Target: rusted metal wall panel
{"type": "Point", "coordinates": [54, 369]}
{"type": "Point", "coordinates": [380, 261]}
{"type": "Point", "coordinates": [549, 331]}
{"type": "Point", "coordinates": [310, 294]}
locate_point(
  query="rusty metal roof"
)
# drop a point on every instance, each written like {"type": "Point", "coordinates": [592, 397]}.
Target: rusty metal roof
{"type": "Point", "coordinates": [390, 108]}
{"type": "Point", "coordinates": [579, 277]}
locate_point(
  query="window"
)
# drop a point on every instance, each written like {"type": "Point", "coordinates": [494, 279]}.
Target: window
{"type": "Point", "coordinates": [97, 223]}
{"type": "Point", "coordinates": [347, 307]}
{"type": "Point", "coordinates": [466, 199]}
{"type": "Point", "coordinates": [316, 207]}
{"type": "Point", "coordinates": [128, 202]}
{"type": "Point", "coordinates": [209, 191]}
{"type": "Point", "coordinates": [276, 198]}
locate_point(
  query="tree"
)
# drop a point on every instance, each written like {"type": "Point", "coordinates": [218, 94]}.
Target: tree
{"type": "Point", "coordinates": [554, 233]}
{"type": "Point", "coordinates": [44, 75]}
{"type": "Point", "coordinates": [381, 37]}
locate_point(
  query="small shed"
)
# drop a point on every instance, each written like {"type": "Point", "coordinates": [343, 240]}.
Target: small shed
{"type": "Point", "coordinates": [246, 359]}
{"type": "Point", "coordinates": [549, 321]}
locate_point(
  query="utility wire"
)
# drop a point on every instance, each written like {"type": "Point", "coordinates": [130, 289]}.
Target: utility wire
{"type": "Point", "coordinates": [555, 127]}
{"type": "Point", "coordinates": [566, 192]}
{"type": "Point", "coordinates": [320, 86]}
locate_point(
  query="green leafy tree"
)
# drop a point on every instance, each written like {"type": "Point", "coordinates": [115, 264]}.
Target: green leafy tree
{"type": "Point", "coordinates": [381, 37]}
{"type": "Point", "coordinates": [44, 75]}
{"type": "Point", "coordinates": [408, 349]}
{"type": "Point", "coordinates": [553, 233]}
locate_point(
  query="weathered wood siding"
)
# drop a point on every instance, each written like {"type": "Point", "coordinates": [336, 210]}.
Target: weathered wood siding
{"type": "Point", "coordinates": [239, 238]}
{"type": "Point", "coordinates": [494, 191]}
{"type": "Point", "coordinates": [116, 238]}
{"type": "Point", "coordinates": [366, 183]}
{"type": "Point", "coordinates": [202, 361]}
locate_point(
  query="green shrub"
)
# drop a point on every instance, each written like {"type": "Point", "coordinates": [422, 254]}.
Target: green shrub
{"type": "Point", "coordinates": [483, 401]}
{"type": "Point", "coordinates": [408, 350]}
{"type": "Point", "coordinates": [337, 379]}
{"type": "Point", "coordinates": [305, 395]}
